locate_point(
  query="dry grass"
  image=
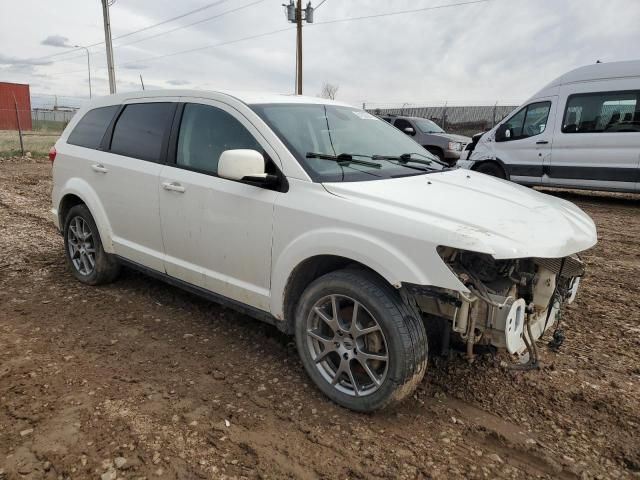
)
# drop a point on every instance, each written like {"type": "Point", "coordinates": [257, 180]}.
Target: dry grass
{"type": "Point", "coordinates": [38, 143]}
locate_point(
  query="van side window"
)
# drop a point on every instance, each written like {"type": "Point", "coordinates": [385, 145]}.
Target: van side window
{"type": "Point", "coordinates": [530, 121]}
{"type": "Point", "coordinates": [206, 132]}
{"type": "Point", "coordinates": [141, 130]}
{"type": "Point", "coordinates": [92, 127]}
{"type": "Point", "coordinates": [602, 112]}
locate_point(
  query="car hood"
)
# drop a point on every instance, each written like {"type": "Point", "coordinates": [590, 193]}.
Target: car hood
{"type": "Point", "coordinates": [453, 137]}
{"type": "Point", "coordinates": [472, 211]}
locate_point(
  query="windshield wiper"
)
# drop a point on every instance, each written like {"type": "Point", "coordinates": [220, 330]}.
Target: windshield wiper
{"type": "Point", "coordinates": [406, 158]}
{"type": "Point", "coordinates": [344, 159]}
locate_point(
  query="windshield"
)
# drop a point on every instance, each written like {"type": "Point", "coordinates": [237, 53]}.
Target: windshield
{"type": "Point", "coordinates": [314, 132]}
{"type": "Point", "coordinates": [427, 126]}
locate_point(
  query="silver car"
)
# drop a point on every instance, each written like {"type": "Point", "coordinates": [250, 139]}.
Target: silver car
{"type": "Point", "coordinates": [446, 146]}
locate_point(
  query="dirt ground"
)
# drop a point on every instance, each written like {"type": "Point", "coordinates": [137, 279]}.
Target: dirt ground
{"type": "Point", "coordinates": [138, 379]}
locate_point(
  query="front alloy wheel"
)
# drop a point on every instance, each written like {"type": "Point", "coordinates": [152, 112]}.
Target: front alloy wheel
{"type": "Point", "coordinates": [359, 341]}
{"type": "Point", "coordinates": [347, 345]}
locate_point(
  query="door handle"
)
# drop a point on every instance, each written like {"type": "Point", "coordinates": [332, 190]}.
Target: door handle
{"type": "Point", "coordinates": [542, 142]}
{"type": "Point", "coordinates": [173, 187]}
{"type": "Point", "coordinates": [99, 168]}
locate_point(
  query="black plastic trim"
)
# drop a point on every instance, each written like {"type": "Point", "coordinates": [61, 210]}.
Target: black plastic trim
{"type": "Point", "coordinates": [207, 294]}
{"type": "Point", "coordinates": [605, 174]}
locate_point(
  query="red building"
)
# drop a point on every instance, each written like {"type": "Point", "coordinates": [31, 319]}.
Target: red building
{"type": "Point", "coordinates": [10, 94]}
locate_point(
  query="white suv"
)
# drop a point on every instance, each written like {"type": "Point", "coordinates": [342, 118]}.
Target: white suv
{"type": "Point", "coordinates": [321, 219]}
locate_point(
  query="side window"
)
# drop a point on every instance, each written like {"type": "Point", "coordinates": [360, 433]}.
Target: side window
{"type": "Point", "coordinates": [206, 132]}
{"type": "Point", "coordinates": [141, 130]}
{"type": "Point", "coordinates": [530, 121]}
{"type": "Point", "coordinates": [401, 124]}
{"type": "Point", "coordinates": [602, 112]}
{"type": "Point", "coordinates": [92, 127]}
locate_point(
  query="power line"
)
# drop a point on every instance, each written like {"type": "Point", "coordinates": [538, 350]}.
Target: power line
{"type": "Point", "coordinates": [401, 12]}
{"type": "Point", "coordinates": [180, 27]}
{"type": "Point", "coordinates": [148, 27]}
{"type": "Point", "coordinates": [273, 32]}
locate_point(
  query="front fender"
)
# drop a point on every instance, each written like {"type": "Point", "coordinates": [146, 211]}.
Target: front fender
{"type": "Point", "coordinates": [384, 258]}
{"type": "Point", "coordinates": [84, 191]}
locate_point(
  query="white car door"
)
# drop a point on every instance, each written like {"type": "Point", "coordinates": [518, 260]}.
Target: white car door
{"type": "Point", "coordinates": [527, 148]}
{"type": "Point", "coordinates": [217, 232]}
{"type": "Point", "coordinates": [125, 177]}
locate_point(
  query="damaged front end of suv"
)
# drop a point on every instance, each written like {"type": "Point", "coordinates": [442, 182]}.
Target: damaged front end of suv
{"type": "Point", "coordinates": [509, 304]}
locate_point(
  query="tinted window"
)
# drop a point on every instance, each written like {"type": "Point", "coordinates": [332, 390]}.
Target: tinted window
{"type": "Point", "coordinates": [602, 112]}
{"type": "Point", "coordinates": [530, 121]}
{"type": "Point", "coordinates": [206, 132]}
{"type": "Point", "coordinates": [140, 130]}
{"type": "Point", "coordinates": [401, 123]}
{"type": "Point", "coordinates": [91, 128]}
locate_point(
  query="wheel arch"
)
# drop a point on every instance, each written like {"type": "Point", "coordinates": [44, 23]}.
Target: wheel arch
{"type": "Point", "coordinates": [301, 262]}
{"type": "Point", "coordinates": [77, 192]}
{"type": "Point", "coordinates": [495, 161]}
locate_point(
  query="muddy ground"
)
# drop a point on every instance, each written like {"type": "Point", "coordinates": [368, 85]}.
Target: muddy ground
{"type": "Point", "coordinates": [139, 379]}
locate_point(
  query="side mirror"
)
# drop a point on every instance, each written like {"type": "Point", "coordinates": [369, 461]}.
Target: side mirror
{"type": "Point", "coordinates": [409, 131]}
{"type": "Point", "coordinates": [503, 133]}
{"type": "Point", "coordinates": [243, 165]}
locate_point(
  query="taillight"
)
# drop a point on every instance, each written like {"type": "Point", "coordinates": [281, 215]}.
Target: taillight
{"type": "Point", "coordinates": [52, 154]}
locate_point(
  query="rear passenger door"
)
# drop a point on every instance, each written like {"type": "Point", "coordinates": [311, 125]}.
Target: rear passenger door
{"type": "Point", "coordinates": [597, 142]}
{"type": "Point", "coordinates": [126, 174]}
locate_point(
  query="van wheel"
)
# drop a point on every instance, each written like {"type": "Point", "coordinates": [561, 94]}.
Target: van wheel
{"type": "Point", "coordinates": [493, 169]}
{"type": "Point", "coordinates": [83, 249]}
{"type": "Point", "coordinates": [362, 345]}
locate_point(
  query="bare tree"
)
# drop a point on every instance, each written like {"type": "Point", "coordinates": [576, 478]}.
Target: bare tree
{"type": "Point", "coordinates": [329, 90]}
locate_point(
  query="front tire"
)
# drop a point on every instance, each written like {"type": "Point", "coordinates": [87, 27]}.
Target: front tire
{"type": "Point", "coordinates": [83, 249]}
{"type": "Point", "coordinates": [492, 169]}
{"type": "Point", "coordinates": [361, 344]}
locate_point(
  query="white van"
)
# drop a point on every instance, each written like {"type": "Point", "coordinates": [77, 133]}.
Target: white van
{"type": "Point", "coordinates": [582, 130]}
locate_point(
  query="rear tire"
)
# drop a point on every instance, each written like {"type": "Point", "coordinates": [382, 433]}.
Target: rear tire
{"type": "Point", "coordinates": [492, 169]}
{"type": "Point", "coordinates": [367, 364]}
{"type": "Point", "coordinates": [83, 249]}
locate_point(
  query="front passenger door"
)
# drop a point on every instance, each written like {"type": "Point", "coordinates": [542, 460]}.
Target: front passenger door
{"type": "Point", "coordinates": [526, 149]}
{"type": "Point", "coordinates": [217, 232]}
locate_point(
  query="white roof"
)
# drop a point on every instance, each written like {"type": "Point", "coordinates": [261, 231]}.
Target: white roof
{"type": "Point", "coordinates": [250, 98]}
{"type": "Point", "coordinates": [599, 71]}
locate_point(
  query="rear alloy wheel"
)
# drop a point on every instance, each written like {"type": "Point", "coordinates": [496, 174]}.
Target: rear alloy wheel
{"type": "Point", "coordinates": [83, 249]}
{"type": "Point", "coordinates": [362, 345]}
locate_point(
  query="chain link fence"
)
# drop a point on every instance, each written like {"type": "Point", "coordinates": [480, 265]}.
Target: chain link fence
{"type": "Point", "coordinates": [460, 119]}
{"type": "Point", "coordinates": [32, 127]}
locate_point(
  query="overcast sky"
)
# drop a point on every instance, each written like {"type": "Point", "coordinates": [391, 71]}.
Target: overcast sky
{"type": "Point", "coordinates": [498, 50]}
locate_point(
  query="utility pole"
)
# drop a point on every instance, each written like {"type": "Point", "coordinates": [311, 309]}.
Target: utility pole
{"type": "Point", "coordinates": [295, 15]}
{"type": "Point", "coordinates": [107, 40]}
{"type": "Point", "coordinates": [299, 47]}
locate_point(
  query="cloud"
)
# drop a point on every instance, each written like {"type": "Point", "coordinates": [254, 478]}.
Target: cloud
{"type": "Point", "coordinates": [56, 41]}
{"type": "Point", "coordinates": [14, 61]}
{"type": "Point", "coordinates": [177, 82]}
{"type": "Point", "coordinates": [134, 66]}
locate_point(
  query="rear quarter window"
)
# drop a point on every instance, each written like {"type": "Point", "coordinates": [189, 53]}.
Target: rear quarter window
{"type": "Point", "coordinates": [92, 127]}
